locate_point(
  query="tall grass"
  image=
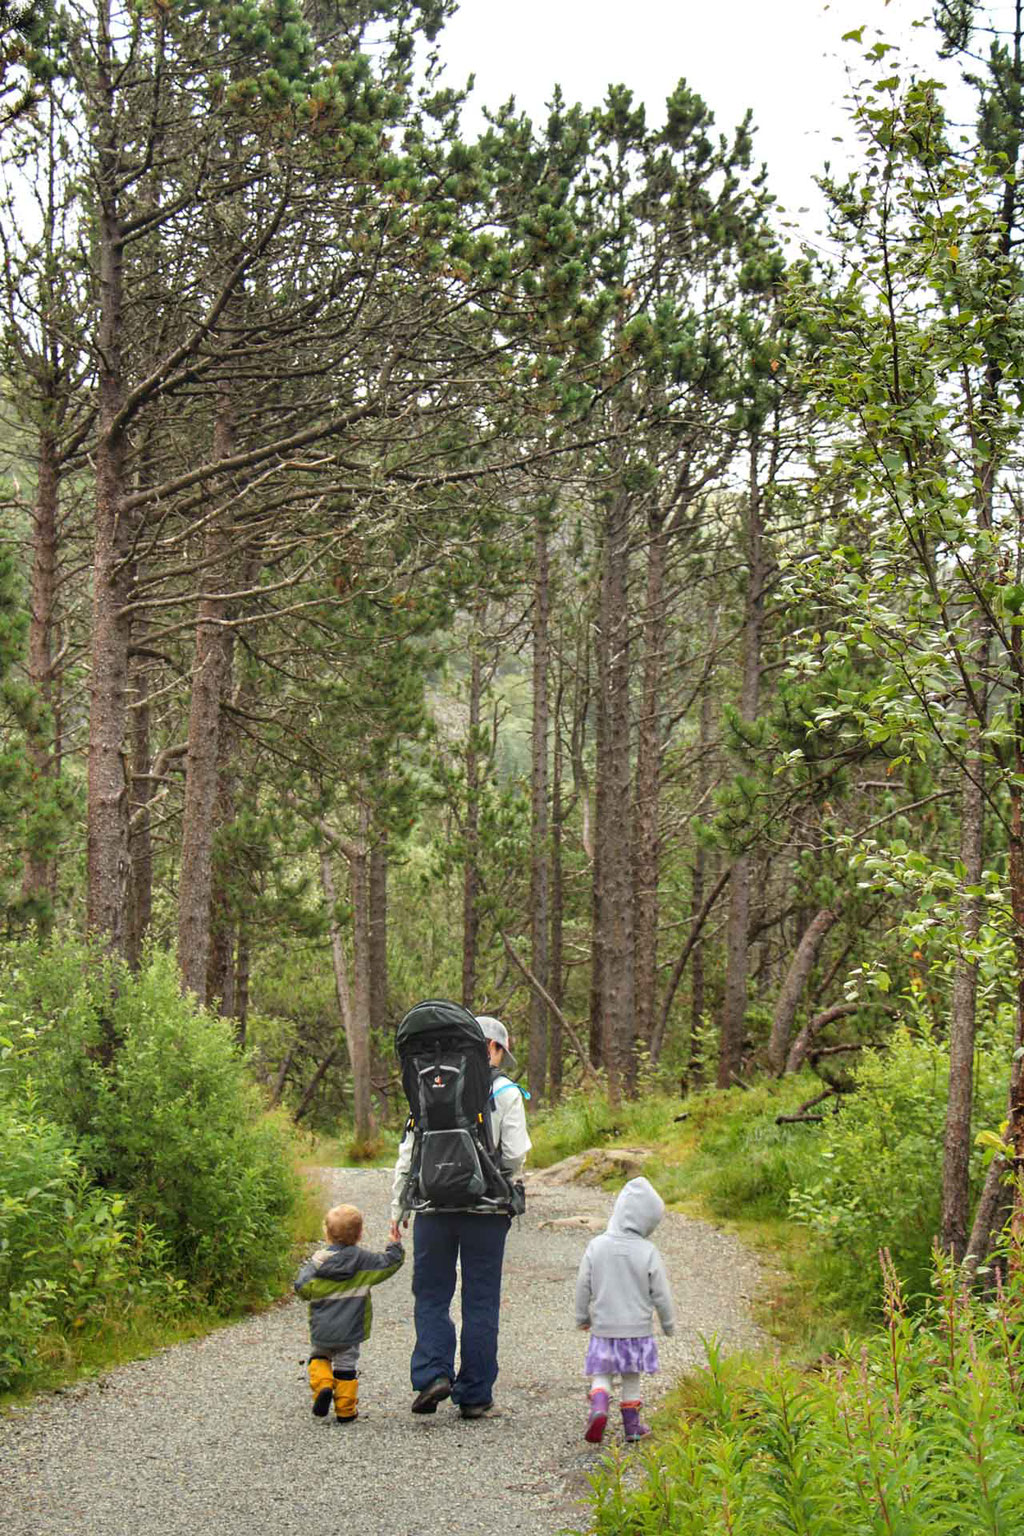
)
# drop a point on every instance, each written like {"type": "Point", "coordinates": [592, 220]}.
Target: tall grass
{"type": "Point", "coordinates": [914, 1433]}
{"type": "Point", "coordinates": [740, 1164]}
{"type": "Point", "coordinates": [721, 1152]}
{"type": "Point", "coordinates": [586, 1119]}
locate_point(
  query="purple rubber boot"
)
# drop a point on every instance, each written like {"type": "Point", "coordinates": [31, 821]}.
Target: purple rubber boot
{"type": "Point", "coordinates": [598, 1416]}
{"type": "Point", "coordinates": [633, 1426]}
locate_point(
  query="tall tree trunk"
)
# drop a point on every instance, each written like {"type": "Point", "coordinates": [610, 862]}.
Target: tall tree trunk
{"type": "Point", "coordinates": [1003, 1192]}
{"type": "Point", "coordinates": [618, 995]}
{"type": "Point", "coordinates": [734, 1000]}
{"type": "Point", "coordinates": [242, 984]}
{"type": "Point", "coordinates": [737, 942]}
{"type": "Point", "coordinates": [647, 841]}
{"type": "Point", "coordinates": [963, 1015]}
{"type": "Point", "coordinates": [1017, 1142]}
{"type": "Point", "coordinates": [356, 1039]}
{"type": "Point", "coordinates": [540, 851]}
{"type": "Point", "coordinates": [220, 969]}
{"type": "Point", "coordinates": [999, 1196]}
{"type": "Point", "coordinates": [694, 1075]}
{"type": "Point", "coordinates": [980, 1235]}
{"type": "Point", "coordinates": [793, 987]}
{"type": "Point", "coordinates": [107, 786]}
{"type": "Point", "coordinates": [556, 985]}
{"type": "Point", "coordinates": [471, 837]}
{"type": "Point", "coordinates": [140, 843]}
{"type": "Point", "coordinates": [587, 698]}
{"type": "Point", "coordinates": [143, 780]}
{"type": "Point", "coordinates": [963, 1019]}
{"type": "Point", "coordinates": [207, 913]}
{"type": "Point", "coordinates": [309, 1092]}
{"type": "Point", "coordinates": [700, 917]}
{"type": "Point", "coordinates": [226, 881]}
{"type": "Point", "coordinates": [698, 1003]}
{"type": "Point", "coordinates": [378, 940]}
{"type": "Point", "coordinates": [202, 778]}
{"type": "Point", "coordinates": [282, 1077]}
{"type": "Point", "coordinates": [39, 884]}
{"type": "Point", "coordinates": [362, 1084]}
{"type": "Point", "coordinates": [595, 1043]}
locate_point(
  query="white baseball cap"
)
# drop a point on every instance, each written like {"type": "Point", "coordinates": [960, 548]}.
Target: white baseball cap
{"type": "Point", "coordinates": [495, 1030]}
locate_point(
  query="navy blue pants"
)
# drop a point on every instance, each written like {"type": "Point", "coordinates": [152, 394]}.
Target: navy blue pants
{"type": "Point", "coordinates": [477, 1243]}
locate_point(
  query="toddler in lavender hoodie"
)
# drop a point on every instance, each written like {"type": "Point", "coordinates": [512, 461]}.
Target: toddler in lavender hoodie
{"type": "Point", "coordinates": [620, 1285]}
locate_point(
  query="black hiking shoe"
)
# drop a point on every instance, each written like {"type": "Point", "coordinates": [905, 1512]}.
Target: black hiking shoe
{"type": "Point", "coordinates": [427, 1399]}
{"type": "Point", "coordinates": [478, 1410]}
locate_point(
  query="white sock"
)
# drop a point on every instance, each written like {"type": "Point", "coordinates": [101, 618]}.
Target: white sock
{"type": "Point", "coordinates": [630, 1387]}
{"type": "Point", "coordinates": [601, 1383]}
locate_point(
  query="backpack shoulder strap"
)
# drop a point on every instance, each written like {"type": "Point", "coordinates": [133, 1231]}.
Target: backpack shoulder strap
{"type": "Point", "coordinates": [508, 1083]}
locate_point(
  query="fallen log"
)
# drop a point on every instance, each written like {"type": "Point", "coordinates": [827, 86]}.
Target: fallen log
{"type": "Point", "coordinates": [801, 1117]}
{"type": "Point", "coordinates": [842, 1050]}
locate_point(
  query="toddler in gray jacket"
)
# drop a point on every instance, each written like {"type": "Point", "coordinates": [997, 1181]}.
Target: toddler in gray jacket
{"type": "Point", "coordinates": [336, 1282]}
{"type": "Point", "coordinates": [620, 1285]}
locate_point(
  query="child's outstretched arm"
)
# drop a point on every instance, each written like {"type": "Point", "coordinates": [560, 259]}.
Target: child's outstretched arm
{"type": "Point", "coordinates": [375, 1267]}
{"type": "Point", "coordinates": [660, 1293]}
{"type": "Point", "coordinates": [583, 1292]}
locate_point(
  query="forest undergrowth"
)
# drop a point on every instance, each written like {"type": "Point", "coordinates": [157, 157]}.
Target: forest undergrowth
{"type": "Point", "coordinates": [143, 1199]}
{"type": "Point", "coordinates": [915, 1429]}
{"type": "Point", "coordinates": [890, 1400]}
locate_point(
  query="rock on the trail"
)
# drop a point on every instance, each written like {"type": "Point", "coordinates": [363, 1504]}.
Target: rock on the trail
{"type": "Point", "coordinates": [572, 1223]}
{"type": "Point", "coordinates": [592, 1167]}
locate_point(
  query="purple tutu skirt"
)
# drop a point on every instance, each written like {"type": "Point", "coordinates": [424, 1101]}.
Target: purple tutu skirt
{"type": "Point", "coordinates": [606, 1356]}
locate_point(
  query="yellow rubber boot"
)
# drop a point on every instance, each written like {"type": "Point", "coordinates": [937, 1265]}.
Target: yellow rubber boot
{"type": "Point", "coordinates": [321, 1381]}
{"type": "Point", "coordinates": [346, 1397]}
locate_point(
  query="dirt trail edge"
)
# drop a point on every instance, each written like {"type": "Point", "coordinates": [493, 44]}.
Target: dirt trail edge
{"type": "Point", "coordinates": [217, 1435]}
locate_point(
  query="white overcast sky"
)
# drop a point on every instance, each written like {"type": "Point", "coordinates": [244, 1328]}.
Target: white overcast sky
{"type": "Point", "coordinates": [784, 59]}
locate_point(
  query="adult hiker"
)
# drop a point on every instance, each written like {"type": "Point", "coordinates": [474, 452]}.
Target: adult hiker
{"type": "Point", "coordinates": [458, 1164]}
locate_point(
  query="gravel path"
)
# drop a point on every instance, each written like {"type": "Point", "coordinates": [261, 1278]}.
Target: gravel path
{"type": "Point", "coordinates": [216, 1435]}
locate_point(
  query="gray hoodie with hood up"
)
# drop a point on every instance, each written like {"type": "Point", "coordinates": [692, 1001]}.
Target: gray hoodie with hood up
{"type": "Point", "coordinates": [621, 1281]}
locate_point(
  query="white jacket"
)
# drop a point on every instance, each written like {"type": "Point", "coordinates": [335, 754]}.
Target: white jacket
{"type": "Point", "coordinates": [621, 1281]}
{"type": "Point", "coordinates": [508, 1134]}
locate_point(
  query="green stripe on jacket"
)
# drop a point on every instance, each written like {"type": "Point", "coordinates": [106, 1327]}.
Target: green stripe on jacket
{"type": "Point", "coordinates": [318, 1287]}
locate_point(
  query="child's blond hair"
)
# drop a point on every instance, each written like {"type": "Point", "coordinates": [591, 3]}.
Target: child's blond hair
{"type": "Point", "coordinates": [343, 1224]}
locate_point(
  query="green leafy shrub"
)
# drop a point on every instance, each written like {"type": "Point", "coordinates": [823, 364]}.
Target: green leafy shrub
{"type": "Point", "coordinates": [917, 1432]}
{"type": "Point", "coordinates": [876, 1183]}
{"type": "Point", "coordinates": [64, 1245]}
{"type": "Point", "coordinates": [183, 1129]}
{"type": "Point", "coordinates": [53, 1003]}
{"type": "Point", "coordinates": [172, 1123]}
